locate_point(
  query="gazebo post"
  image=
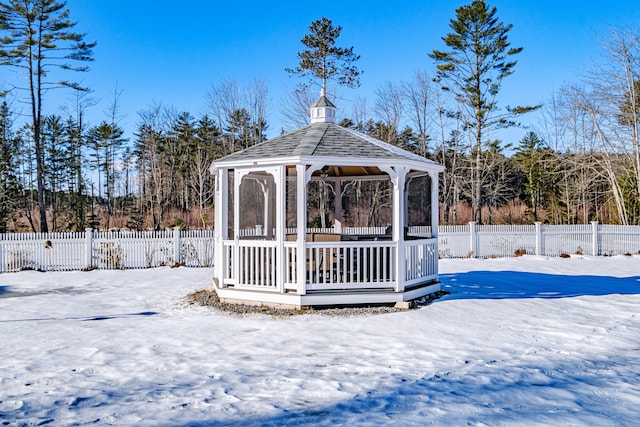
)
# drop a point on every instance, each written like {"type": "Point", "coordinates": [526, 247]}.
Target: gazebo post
{"type": "Point", "coordinates": [435, 207]}
{"type": "Point", "coordinates": [398, 176]}
{"type": "Point", "coordinates": [435, 216]}
{"type": "Point", "coordinates": [237, 182]}
{"type": "Point", "coordinates": [401, 196]}
{"type": "Point", "coordinates": [266, 227]}
{"type": "Point", "coordinates": [337, 222]}
{"type": "Point", "coordinates": [221, 221]}
{"type": "Point", "coordinates": [281, 206]}
{"type": "Point", "coordinates": [301, 221]}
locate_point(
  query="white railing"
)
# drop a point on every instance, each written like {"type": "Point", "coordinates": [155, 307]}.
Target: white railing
{"type": "Point", "coordinates": [259, 231]}
{"type": "Point", "coordinates": [105, 250]}
{"type": "Point", "coordinates": [228, 277]}
{"type": "Point", "coordinates": [421, 262]}
{"type": "Point", "coordinates": [327, 265]}
{"type": "Point", "coordinates": [291, 266]}
{"type": "Point", "coordinates": [256, 265]}
{"type": "Point", "coordinates": [350, 265]}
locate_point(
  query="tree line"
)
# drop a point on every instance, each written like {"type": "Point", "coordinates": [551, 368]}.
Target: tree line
{"type": "Point", "coordinates": [580, 164]}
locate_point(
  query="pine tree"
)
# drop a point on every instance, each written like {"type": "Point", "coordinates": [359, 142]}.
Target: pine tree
{"type": "Point", "coordinates": [37, 38]}
{"type": "Point", "coordinates": [179, 146]}
{"type": "Point", "coordinates": [324, 60]}
{"type": "Point", "coordinates": [55, 164]}
{"type": "Point", "coordinates": [9, 183]}
{"type": "Point", "coordinates": [534, 160]}
{"type": "Point", "coordinates": [74, 142]}
{"type": "Point", "coordinates": [209, 146]}
{"type": "Point", "coordinates": [479, 59]}
{"type": "Point", "coordinates": [107, 141]}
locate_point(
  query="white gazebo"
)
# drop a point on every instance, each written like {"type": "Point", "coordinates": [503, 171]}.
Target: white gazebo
{"type": "Point", "coordinates": [272, 248]}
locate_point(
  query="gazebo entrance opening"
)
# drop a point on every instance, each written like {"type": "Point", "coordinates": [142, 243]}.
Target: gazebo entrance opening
{"type": "Point", "coordinates": [363, 205]}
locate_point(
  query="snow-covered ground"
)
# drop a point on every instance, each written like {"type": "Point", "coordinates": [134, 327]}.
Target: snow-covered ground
{"type": "Point", "coordinates": [522, 341]}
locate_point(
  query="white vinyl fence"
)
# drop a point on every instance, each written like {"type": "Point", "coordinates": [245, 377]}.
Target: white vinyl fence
{"type": "Point", "coordinates": [484, 241]}
{"type": "Point", "coordinates": [146, 249]}
{"type": "Point", "coordinates": [105, 250]}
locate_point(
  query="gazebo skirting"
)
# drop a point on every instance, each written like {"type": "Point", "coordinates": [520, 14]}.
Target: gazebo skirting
{"type": "Point", "coordinates": [320, 272]}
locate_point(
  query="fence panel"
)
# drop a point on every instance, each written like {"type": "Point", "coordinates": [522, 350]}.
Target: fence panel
{"type": "Point", "coordinates": [196, 248]}
{"type": "Point", "coordinates": [505, 240]}
{"type": "Point", "coordinates": [42, 251]}
{"type": "Point", "coordinates": [619, 239]}
{"type": "Point", "coordinates": [566, 239]}
{"type": "Point", "coordinates": [133, 249]}
{"type": "Point", "coordinates": [548, 240]}
{"type": "Point", "coordinates": [453, 241]}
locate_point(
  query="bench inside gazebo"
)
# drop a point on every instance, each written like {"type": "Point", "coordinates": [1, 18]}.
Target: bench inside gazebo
{"type": "Point", "coordinates": [325, 215]}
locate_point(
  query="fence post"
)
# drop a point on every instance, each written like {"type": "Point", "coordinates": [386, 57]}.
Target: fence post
{"type": "Point", "coordinates": [88, 238]}
{"type": "Point", "coordinates": [595, 247]}
{"type": "Point", "coordinates": [176, 246]}
{"type": "Point", "coordinates": [473, 240]}
{"type": "Point", "coordinates": [538, 238]}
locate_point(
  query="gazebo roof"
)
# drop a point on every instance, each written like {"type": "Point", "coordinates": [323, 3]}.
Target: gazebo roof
{"type": "Point", "coordinates": [327, 140]}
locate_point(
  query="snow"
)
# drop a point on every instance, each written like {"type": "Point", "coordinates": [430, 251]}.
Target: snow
{"type": "Point", "coordinates": [520, 341]}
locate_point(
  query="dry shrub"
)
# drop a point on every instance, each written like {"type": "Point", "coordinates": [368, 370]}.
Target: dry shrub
{"type": "Point", "coordinates": [520, 252]}
{"type": "Point", "coordinates": [565, 255]}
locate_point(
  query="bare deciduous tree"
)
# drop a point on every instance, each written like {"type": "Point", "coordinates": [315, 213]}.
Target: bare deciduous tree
{"type": "Point", "coordinates": [389, 108]}
{"type": "Point", "coordinates": [419, 103]}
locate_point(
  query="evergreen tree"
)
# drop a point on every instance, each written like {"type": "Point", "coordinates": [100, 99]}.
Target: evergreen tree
{"type": "Point", "coordinates": [37, 38]}
{"type": "Point", "coordinates": [502, 180]}
{"type": "Point", "coordinates": [209, 146]}
{"type": "Point", "coordinates": [534, 160]}
{"type": "Point", "coordinates": [178, 148]}
{"type": "Point", "coordinates": [480, 57]}
{"type": "Point", "coordinates": [106, 141]}
{"type": "Point", "coordinates": [239, 128]}
{"type": "Point", "coordinates": [9, 183]}
{"type": "Point", "coordinates": [55, 164]}
{"type": "Point", "coordinates": [74, 142]}
{"type": "Point", "coordinates": [324, 60]}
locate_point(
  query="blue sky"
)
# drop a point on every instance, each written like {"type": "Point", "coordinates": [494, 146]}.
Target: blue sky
{"type": "Point", "coordinates": [171, 52]}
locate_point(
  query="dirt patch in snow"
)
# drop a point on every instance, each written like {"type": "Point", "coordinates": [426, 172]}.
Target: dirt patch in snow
{"type": "Point", "coordinates": [209, 298]}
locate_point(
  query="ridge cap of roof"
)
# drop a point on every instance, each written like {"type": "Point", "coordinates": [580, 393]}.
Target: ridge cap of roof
{"type": "Point", "coordinates": [313, 136]}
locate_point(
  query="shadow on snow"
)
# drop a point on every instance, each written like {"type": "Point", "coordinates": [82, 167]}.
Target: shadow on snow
{"type": "Point", "coordinates": [84, 318]}
{"type": "Point", "coordinates": [514, 284]}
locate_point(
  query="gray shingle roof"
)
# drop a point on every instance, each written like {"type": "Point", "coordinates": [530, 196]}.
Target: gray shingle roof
{"type": "Point", "coordinates": [325, 140]}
